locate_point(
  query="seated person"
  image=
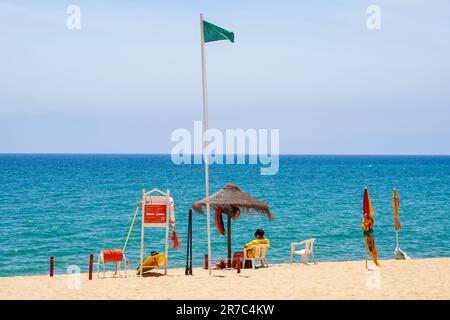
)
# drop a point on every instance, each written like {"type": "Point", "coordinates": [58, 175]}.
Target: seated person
{"type": "Point", "coordinates": [259, 234]}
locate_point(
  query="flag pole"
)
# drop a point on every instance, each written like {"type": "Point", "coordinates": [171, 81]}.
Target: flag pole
{"type": "Point", "coordinates": [205, 143]}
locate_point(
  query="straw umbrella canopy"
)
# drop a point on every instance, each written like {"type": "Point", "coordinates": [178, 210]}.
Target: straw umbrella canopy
{"type": "Point", "coordinates": [227, 200]}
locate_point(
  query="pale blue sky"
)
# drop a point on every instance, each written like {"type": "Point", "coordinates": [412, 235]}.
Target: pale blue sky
{"type": "Point", "coordinates": [131, 75]}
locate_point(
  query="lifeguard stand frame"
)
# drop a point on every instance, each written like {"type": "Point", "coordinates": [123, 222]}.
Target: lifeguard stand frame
{"type": "Point", "coordinates": [155, 214]}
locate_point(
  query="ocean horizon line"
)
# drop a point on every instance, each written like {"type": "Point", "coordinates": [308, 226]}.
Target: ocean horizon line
{"type": "Point", "coordinates": [225, 154]}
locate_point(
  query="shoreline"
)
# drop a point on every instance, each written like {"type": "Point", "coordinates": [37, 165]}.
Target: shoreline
{"type": "Point", "coordinates": [397, 279]}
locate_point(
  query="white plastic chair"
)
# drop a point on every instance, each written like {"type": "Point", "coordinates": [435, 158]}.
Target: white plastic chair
{"type": "Point", "coordinates": [260, 254]}
{"type": "Point", "coordinates": [308, 250]}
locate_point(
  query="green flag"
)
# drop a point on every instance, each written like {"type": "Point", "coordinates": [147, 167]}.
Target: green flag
{"type": "Point", "coordinates": [215, 33]}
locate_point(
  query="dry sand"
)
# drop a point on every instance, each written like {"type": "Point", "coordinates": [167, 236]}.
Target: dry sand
{"type": "Point", "coordinates": [407, 279]}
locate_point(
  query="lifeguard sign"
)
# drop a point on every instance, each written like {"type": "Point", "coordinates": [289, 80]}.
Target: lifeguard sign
{"type": "Point", "coordinates": [156, 211]}
{"type": "Point", "coordinates": [155, 215]}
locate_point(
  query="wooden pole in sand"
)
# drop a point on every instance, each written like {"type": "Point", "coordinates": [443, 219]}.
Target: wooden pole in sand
{"type": "Point", "coordinates": [91, 265]}
{"type": "Point", "coordinates": [188, 251]}
{"type": "Point", "coordinates": [238, 263]}
{"type": "Point", "coordinates": [52, 266]}
{"type": "Point", "coordinates": [229, 239]}
{"type": "Point", "coordinates": [190, 244]}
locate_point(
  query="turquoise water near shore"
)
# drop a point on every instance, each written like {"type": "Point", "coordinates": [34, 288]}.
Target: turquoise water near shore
{"type": "Point", "coordinates": [69, 206]}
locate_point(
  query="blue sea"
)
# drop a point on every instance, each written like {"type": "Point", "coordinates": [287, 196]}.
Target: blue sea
{"type": "Point", "coordinates": [69, 206]}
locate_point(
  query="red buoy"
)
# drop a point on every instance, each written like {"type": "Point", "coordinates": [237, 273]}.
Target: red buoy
{"type": "Point", "coordinates": [112, 255]}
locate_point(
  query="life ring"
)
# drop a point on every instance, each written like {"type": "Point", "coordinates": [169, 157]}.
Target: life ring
{"type": "Point", "coordinates": [219, 221]}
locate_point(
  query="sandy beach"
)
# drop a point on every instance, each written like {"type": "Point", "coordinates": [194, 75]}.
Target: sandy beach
{"type": "Point", "coordinates": [397, 279]}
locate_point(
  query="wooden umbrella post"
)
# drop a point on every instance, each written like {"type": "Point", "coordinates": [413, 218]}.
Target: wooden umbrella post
{"type": "Point", "coordinates": [190, 243]}
{"type": "Point", "coordinates": [229, 239]}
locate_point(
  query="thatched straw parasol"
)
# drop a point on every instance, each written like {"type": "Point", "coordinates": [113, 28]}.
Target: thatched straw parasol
{"type": "Point", "coordinates": [229, 198]}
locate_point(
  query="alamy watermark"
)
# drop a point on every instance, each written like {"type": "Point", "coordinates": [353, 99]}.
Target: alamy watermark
{"type": "Point", "coordinates": [373, 21]}
{"type": "Point", "coordinates": [235, 146]}
{"type": "Point", "coordinates": [373, 281]}
{"type": "Point", "coordinates": [73, 22]}
{"type": "Point", "coordinates": [74, 279]}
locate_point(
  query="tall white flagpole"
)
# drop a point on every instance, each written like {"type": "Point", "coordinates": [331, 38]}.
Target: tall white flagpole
{"type": "Point", "coordinates": [205, 143]}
